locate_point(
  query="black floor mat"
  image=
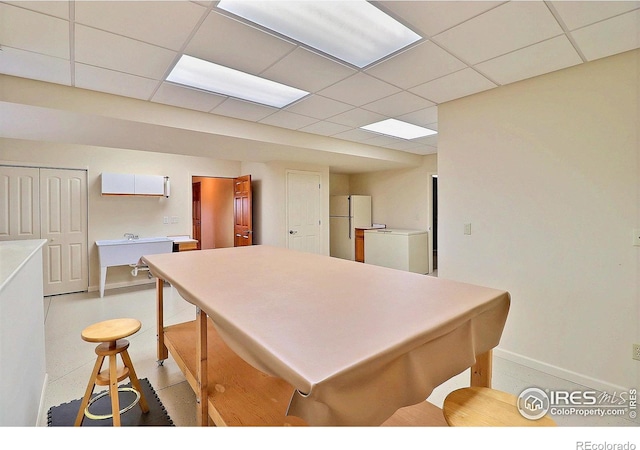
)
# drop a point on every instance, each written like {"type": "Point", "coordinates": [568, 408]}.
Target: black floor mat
{"type": "Point", "coordinates": [65, 415]}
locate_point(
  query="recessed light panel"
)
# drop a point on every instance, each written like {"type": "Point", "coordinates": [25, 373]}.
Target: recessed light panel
{"type": "Point", "coordinates": [354, 31]}
{"type": "Point", "coordinates": [399, 129]}
{"type": "Point", "coordinates": [201, 74]}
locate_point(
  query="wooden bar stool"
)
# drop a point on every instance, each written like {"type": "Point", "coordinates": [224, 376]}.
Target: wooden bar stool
{"type": "Point", "coordinates": [110, 334]}
{"type": "Point", "coordinates": [485, 407]}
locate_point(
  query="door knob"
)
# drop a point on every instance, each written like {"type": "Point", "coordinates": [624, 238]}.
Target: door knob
{"type": "Point", "coordinates": [293, 232]}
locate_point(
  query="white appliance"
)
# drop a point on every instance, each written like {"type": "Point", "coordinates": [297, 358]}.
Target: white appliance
{"type": "Point", "coordinates": [346, 213]}
{"type": "Point", "coordinates": [397, 249]}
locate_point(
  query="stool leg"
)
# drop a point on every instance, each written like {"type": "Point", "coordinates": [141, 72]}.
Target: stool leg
{"type": "Point", "coordinates": [134, 380]}
{"type": "Point", "coordinates": [113, 390]}
{"type": "Point", "coordinates": [89, 391]}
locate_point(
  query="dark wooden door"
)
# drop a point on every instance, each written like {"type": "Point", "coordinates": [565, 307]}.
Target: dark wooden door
{"type": "Point", "coordinates": [197, 213]}
{"type": "Point", "coordinates": [243, 228]}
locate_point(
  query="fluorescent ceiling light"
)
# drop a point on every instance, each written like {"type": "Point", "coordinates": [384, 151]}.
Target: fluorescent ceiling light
{"type": "Point", "coordinates": [397, 128]}
{"type": "Point", "coordinates": [354, 31]}
{"type": "Point", "coordinates": [201, 74]}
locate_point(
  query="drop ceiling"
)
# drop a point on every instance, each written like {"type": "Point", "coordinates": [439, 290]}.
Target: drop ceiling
{"type": "Point", "coordinates": [128, 49]}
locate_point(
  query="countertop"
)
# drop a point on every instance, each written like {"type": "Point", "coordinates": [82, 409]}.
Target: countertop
{"type": "Point", "coordinates": [14, 255]}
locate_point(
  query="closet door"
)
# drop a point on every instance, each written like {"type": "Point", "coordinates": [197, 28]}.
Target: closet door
{"type": "Point", "coordinates": [19, 208]}
{"type": "Point", "coordinates": [63, 206]}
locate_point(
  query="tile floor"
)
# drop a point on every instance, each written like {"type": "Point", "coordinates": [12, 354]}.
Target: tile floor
{"type": "Point", "coordinates": [70, 359]}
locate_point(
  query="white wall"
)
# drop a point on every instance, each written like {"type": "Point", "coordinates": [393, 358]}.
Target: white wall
{"type": "Point", "coordinates": [112, 216]}
{"type": "Point", "coordinates": [22, 339]}
{"type": "Point", "coordinates": [399, 198]}
{"type": "Point", "coordinates": [269, 182]}
{"type": "Point", "coordinates": [547, 173]}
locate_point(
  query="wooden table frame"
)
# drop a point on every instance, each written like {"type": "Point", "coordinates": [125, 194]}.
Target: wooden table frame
{"type": "Point", "coordinates": [196, 371]}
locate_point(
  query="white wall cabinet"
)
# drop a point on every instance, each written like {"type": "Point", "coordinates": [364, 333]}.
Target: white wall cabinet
{"type": "Point", "coordinates": [132, 184]}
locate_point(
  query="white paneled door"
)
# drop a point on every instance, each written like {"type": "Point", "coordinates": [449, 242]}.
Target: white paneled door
{"type": "Point", "coordinates": [303, 211]}
{"type": "Point", "coordinates": [19, 204]}
{"type": "Point", "coordinates": [63, 222]}
{"type": "Point", "coordinates": [51, 204]}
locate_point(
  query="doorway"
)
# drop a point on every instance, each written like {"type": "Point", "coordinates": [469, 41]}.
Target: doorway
{"type": "Point", "coordinates": [434, 219]}
{"type": "Point", "coordinates": [212, 212]}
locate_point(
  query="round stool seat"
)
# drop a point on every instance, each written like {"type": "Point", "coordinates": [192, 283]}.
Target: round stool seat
{"type": "Point", "coordinates": [111, 330]}
{"type": "Point", "coordinates": [485, 407]}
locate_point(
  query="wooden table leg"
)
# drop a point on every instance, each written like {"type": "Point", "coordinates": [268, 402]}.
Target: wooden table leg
{"type": "Point", "coordinates": [201, 371]}
{"type": "Point", "coordinates": [163, 352]}
{"type": "Point", "coordinates": [481, 370]}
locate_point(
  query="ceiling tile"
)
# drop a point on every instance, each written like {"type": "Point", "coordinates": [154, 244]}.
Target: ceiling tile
{"type": "Point", "coordinates": [355, 135]}
{"type": "Point", "coordinates": [112, 82]}
{"type": "Point", "coordinates": [538, 59]}
{"type": "Point", "coordinates": [398, 104]}
{"type": "Point", "coordinates": [184, 97]}
{"type": "Point", "coordinates": [164, 23]}
{"type": "Point", "coordinates": [318, 107]}
{"type": "Point", "coordinates": [576, 14]}
{"type": "Point", "coordinates": [307, 70]}
{"type": "Point", "coordinates": [422, 117]}
{"type": "Point", "coordinates": [17, 31]}
{"type": "Point", "coordinates": [428, 140]}
{"type": "Point", "coordinates": [289, 120]}
{"type": "Point", "coordinates": [423, 62]}
{"type": "Point", "coordinates": [617, 35]}
{"type": "Point", "coordinates": [432, 17]}
{"type": "Point", "coordinates": [456, 85]}
{"type": "Point", "coordinates": [384, 140]}
{"type": "Point", "coordinates": [356, 118]}
{"type": "Point", "coordinates": [110, 51]}
{"type": "Point", "coordinates": [325, 128]}
{"type": "Point", "coordinates": [241, 109]}
{"type": "Point", "coordinates": [228, 42]}
{"type": "Point", "coordinates": [403, 144]}
{"type": "Point", "coordinates": [422, 150]}
{"type": "Point", "coordinates": [20, 63]}
{"type": "Point", "coordinates": [359, 89]}
{"type": "Point", "coordinates": [483, 37]}
{"type": "Point", "coordinates": [53, 8]}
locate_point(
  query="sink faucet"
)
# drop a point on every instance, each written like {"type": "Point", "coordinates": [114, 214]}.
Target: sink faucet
{"type": "Point", "coordinates": [130, 236]}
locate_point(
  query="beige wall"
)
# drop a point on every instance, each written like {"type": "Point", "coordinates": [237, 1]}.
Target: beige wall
{"type": "Point", "coordinates": [111, 217]}
{"type": "Point", "coordinates": [547, 172]}
{"type": "Point", "coordinates": [399, 198]}
{"type": "Point", "coordinates": [269, 182]}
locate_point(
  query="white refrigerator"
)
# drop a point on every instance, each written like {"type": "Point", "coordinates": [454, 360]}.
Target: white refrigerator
{"type": "Point", "coordinates": [346, 213]}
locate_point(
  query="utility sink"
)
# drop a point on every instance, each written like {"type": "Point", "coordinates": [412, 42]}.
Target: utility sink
{"type": "Point", "coordinates": [119, 252]}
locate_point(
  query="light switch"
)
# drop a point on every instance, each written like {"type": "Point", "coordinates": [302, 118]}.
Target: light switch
{"type": "Point", "coordinates": [165, 220]}
{"type": "Point", "coordinates": [467, 228]}
{"type": "Point", "coordinates": [174, 219]}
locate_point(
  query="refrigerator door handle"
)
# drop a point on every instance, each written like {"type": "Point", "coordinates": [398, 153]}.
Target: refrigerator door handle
{"type": "Point", "coordinates": [350, 214]}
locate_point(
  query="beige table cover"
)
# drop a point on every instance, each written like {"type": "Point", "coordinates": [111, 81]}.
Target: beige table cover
{"type": "Point", "coordinates": [357, 341]}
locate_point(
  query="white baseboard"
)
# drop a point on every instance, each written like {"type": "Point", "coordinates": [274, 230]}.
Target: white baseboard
{"type": "Point", "coordinates": [123, 284]}
{"type": "Point", "coordinates": [575, 377]}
